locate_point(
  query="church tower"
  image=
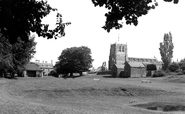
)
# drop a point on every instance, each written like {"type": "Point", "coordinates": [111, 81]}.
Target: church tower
{"type": "Point", "coordinates": [118, 54]}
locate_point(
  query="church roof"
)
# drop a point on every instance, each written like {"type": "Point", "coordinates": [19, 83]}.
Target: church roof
{"type": "Point", "coordinates": [133, 59]}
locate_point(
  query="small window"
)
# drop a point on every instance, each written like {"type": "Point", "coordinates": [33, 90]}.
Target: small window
{"type": "Point", "coordinates": [122, 48]}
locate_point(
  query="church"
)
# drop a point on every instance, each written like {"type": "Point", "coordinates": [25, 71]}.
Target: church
{"type": "Point", "coordinates": [123, 66]}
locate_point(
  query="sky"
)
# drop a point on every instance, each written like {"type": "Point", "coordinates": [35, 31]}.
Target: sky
{"type": "Point", "coordinates": [142, 40]}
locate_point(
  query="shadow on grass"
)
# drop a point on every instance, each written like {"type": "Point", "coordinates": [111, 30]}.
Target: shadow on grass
{"type": "Point", "coordinates": [108, 76]}
{"type": "Point", "coordinates": [73, 77]}
{"type": "Point", "coordinates": [12, 78]}
{"type": "Point", "coordinates": [162, 106]}
{"type": "Point", "coordinates": [66, 76]}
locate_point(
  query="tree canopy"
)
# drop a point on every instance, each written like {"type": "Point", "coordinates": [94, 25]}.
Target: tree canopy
{"type": "Point", "coordinates": [130, 10]}
{"type": "Point", "coordinates": [74, 60]}
{"type": "Point", "coordinates": [20, 17]}
{"type": "Point", "coordinates": [166, 50]}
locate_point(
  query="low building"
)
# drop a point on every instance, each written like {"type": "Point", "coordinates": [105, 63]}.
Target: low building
{"type": "Point", "coordinates": [118, 70]}
{"type": "Point", "coordinates": [32, 70]}
{"type": "Point", "coordinates": [134, 69]}
{"type": "Point", "coordinates": [46, 67]}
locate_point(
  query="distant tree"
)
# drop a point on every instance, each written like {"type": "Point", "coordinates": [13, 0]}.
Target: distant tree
{"type": "Point", "coordinates": [130, 10]}
{"type": "Point", "coordinates": [74, 60]}
{"type": "Point", "coordinates": [20, 17]}
{"type": "Point", "coordinates": [173, 67]}
{"type": "Point", "coordinates": [182, 64]}
{"type": "Point", "coordinates": [103, 67]}
{"type": "Point", "coordinates": [166, 50]}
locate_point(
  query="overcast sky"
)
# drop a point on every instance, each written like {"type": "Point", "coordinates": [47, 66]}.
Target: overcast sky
{"type": "Point", "coordinates": [142, 40]}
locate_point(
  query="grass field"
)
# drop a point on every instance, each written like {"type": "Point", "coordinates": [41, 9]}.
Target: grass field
{"type": "Point", "coordinates": [92, 94]}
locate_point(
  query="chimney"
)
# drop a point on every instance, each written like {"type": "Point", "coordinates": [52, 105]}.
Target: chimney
{"type": "Point", "coordinates": [45, 61]}
{"type": "Point", "coordinates": [51, 61]}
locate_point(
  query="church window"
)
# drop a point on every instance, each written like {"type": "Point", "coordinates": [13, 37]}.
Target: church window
{"type": "Point", "coordinates": [120, 48]}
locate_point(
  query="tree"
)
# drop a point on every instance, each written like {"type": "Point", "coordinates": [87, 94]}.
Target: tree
{"type": "Point", "coordinates": [74, 60]}
{"type": "Point", "coordinates": [151, 67]}
{"type": "Point", "coordinates": [182, 64]}
{"type": "Point", "coordinates": [166, 50]}
{"type": "Point", "coordinates": [6, 59]}
{"type": "Point", "coordinates": [130, 10]}
{"type": "Point", "coordinates": [22, 53]}
{"type": "Point", "coordinates": [13, 57]}
{"type": "Point", "coordinates": [20, 17]}
{"type": "Point", "coordinates": [174, 67]}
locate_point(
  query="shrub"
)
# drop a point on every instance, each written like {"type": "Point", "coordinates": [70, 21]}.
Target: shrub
{"type": "Point", "coordinates": [159, 73]}
{"type": "Point", "coordinates": [173, 67]}
{"type": "Point", "coordinates": [182, 67]}
{"type": "Point", "coordinates": [180, 73]}
{"type": "Point", "coordinates": [151, 67]}
{"type": "Point", "coordinates": [53, 73]}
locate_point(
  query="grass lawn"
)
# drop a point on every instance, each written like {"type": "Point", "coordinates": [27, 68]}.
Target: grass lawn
{"type": "Point", "coordinates": [91, 94]}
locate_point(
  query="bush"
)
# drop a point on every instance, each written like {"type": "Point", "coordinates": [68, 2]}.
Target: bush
{"type": "Point", "coordinates": [159, 73]}
{"type": "Point", "coordinates": [53, 73]}
{"type": "Point", "coordinates": [180, 73]}
{"type": "Point", "coordinates": [151, 67]}
{"type": "Point", "coordinates": [173, 67]}
{"type": "Point", "coordinates": [182, 67]}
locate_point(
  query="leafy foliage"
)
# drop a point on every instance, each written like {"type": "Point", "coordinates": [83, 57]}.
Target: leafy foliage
{"type": "Point", "coordinates": [22, 52]}
{"type": "Point", "coordinates": [130, 10]}
{"type": "Point", "coordinates": [173, 67]}
{"type": "Point", "coordinates": [166, 50]}
{"type": "Point", "coordinates": [6, 57]}
{"type": "Point", "coordinates": [53, 73]}
{"type": "Point", "coordinates": [151, 67]}
{"type": "Point", "coordinates": [182, 64]}
{"type": "Point", "coordinates": [19, 17]}
{"type": "Point", "coordinates": [159, 73]}
{"type": "Point", "coordinates": [13, 57]}
{"type": "Point", "coordinates": [74, 60]}
{"type": "Point", "coordinates": [174, 1]}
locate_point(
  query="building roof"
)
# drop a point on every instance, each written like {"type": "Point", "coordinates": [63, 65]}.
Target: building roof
{"type": "Point", "coordinates": [32, 67]}
{"type": "Point", "coordinates": [45, 65]}
{"type": "Point", "coordinates": [136, 64]}
{"type": "Point", "coordinates": [119, 66]}
{"type": "Point", "coordinates": [133, 59]}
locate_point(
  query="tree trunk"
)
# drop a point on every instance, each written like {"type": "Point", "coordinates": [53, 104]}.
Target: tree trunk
{"type": "Point", "coordinates": [71, 74]}
{"type": "Point", "coordinates": [81, 73]}
{"type": "Point", "coordinates": [12, 75]}
{"type": "Point", "coordinates": [1, 73]}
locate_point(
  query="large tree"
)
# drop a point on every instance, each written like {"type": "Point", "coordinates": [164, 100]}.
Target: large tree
{"type": "Point", "coordinates": [166, 50]}
{"type": "Point", "coordinates": [13, 57]}
{"type": "Point", "coordinates": [20, 17]}
{"type": "Point", "coordinates": [74, 60]}
{"type": "Point", "coordinates": [130, 10]}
